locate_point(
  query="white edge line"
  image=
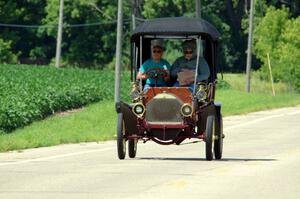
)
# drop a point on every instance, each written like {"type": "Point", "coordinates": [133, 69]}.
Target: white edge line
{"type": "Point", "coordinates": [253, 122]}
{"type": "Point", "coordinates": [260, 120]}
{"type": "Point", "coordinates": [55, 157]}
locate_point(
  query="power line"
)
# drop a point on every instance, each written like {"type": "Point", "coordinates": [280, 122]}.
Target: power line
{"type": "Point", "coordinates": [65, 25]}
{"type": "Point", "coordinates": [25, 26]}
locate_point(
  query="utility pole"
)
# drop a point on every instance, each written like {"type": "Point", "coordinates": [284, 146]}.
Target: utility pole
{"type": "Point", "coordinates": [118, 51]}
{"type": "Point", "coordinates": [136, 11]}
{"type": "Point", "coordinates": [198, 9]}
{"type": "Point", "coordinates": [59, 34]}
{"type": "Point", "coordinates": [133, 21]}
{"type": "Point", "coordinates": [133, 13]}
{"type": "Point", "coordinates": [249, 51]}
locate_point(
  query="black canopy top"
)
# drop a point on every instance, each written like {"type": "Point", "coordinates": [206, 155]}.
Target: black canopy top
{"type": "Point", "coordinates": [176, 26]}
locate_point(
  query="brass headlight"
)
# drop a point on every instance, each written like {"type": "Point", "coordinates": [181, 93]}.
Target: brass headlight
{"type": "Point", "coordinates": [202, 92]}
{"type": "Point", "coordinates": [186, 110]}
{"type": "Point", "coordinates": [138, 109]}
{"type": "Point", "coordinates": [135, 92]}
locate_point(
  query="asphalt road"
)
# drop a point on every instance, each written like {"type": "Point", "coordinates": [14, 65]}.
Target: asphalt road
{"type": "Point", "coordinates": [261, 160]}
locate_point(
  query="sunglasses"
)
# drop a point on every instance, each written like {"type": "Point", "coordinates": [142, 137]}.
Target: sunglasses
{"type": "Point", "coordinates": [156, 51]}
{"type": "Point", "coordinates": [188, 52]}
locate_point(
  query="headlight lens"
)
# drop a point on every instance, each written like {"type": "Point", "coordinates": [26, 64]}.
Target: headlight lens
{"type": "Point", "coordinates": [138, 109]}
{"type": "Point", "coordinates": [186, 110]}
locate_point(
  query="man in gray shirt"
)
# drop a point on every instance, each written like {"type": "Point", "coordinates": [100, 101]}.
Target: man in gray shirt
{"type": "Point", "coordinates": [183, 69]}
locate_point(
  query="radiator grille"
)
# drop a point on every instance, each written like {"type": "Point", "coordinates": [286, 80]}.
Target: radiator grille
{"type": "Point", "coordinates": [164, 108]}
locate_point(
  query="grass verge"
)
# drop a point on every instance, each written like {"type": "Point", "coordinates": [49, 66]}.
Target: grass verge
{"type": "Point", "coordinates": [237, 102]}
{"type": "Point", "coordinates": [93, 123]}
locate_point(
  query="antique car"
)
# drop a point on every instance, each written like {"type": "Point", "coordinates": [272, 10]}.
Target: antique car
{"type": "Point", "coordinates": [170, 115]}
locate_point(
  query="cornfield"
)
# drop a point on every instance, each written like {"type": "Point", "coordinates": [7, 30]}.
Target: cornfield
{"type": "Point", "coordinates": [30, 93]}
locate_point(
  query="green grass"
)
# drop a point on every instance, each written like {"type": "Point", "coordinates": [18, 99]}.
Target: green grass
{"type": "Point", "coordinates": [97, 122]}
{"type": "Point", "coordinates": [93, 123]}
{"type": "Point", "coordinates": [238, 82]}
{"type": "Point", "coordinates": [237, 102]}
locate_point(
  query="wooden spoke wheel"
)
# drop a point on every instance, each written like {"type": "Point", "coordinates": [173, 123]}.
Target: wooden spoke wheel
{"type": "Point", "coordinates": [121, 140]}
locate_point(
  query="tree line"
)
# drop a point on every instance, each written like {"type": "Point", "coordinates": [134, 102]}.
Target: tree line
{"type": "Point", "coordinates": [92, 45]}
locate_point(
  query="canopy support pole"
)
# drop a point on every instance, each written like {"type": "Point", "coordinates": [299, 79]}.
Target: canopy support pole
{"type": "Point", "coordinates": [196, 72]}
{"type": "Point", "coordinates": [141, 61]}
{"type": "Point", "coordinates": [197, 65]}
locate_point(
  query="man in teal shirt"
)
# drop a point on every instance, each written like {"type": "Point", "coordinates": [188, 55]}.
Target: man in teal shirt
{"type": "Point", "coordinates": [156, 65]}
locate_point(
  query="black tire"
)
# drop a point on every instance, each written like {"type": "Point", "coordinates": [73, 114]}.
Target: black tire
{"type": "Point", "coordinates": [132, 148]}
{"type": "Point", "coordinates": [121, 140]}
{"type": "Point", "coordinates": [218, 145]}
{"type": "Point", "coordinates": [209, 135]}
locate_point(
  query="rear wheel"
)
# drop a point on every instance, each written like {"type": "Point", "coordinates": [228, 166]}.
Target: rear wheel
{"type": "Point", "coordinates": [132, 148]}
{"type": "Point", "coordinates": [218, 148]}
{"type": "Point", "coordinates": [121, 140]}
{"type": "Point", "coordinates": [209, 137]}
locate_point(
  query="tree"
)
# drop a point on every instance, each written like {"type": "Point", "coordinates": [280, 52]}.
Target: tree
{"type": "Point", "coordinates": [267, 37]}
{"type": "Point", "coordinates": [278, 34]}
{"type": "Point", "coordinates": [234, 12]}
{"type": "Point", "coordinates": [289, 53]}
{"type": "Point", "coordinates": [211, 11]}
{"type": "Point", "coordinates": [6, 55]}
{"type": "Point", "coordinates": [91, 45]}
{"type": "Point", "coordinates": [24, 40]}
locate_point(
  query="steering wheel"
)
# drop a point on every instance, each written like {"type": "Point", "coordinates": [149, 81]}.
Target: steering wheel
{"type": "Point", "coordinates": [156, 73]}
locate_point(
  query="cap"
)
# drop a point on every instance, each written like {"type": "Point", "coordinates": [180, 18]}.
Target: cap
{"type": "Point", "coordinates": [189, 44]}
{"type": "Point", "coordinates": [157, 43]}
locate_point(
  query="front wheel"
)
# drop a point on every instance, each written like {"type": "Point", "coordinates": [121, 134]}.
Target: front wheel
{"type": "Point", "coordinates": [132, 148]}
{"type": "Point", "coordinates": [121, 140]}
{"type": "Point", "coordinates": [209, 137]}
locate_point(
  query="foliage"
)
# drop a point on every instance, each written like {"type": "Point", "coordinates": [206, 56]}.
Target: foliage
{"type": "Point", "coordinates": [269, 31]}
{"type": "Point", "coordinates": [94, 46]}
{"type": "Point", "coordinates": [25, 40]}
{"type": "Point", "coordinates": [6, 55]}
{"type": "Point", "coordinates": [289, 53]}
{"type": "Point", "coordinates": [86, 46]}
{"type": "Point", "coordinates": [282, 42]}
{"type": "Point", "coordinates": [210, 11]}
{"type": "Point", "coordinates": [32, 93]}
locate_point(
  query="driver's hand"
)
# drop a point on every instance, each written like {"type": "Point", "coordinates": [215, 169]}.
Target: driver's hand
{"type": "Point", "coordinates": [142, 76]}
{"type": "Point", "coordinates": [145, 76]}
